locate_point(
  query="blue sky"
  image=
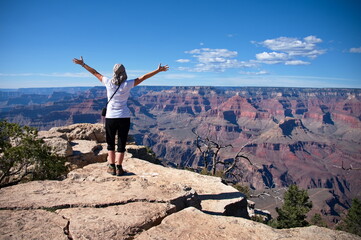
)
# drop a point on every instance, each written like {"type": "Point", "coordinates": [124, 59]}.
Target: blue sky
{"type": "Point", "coordinates": [286, 43]}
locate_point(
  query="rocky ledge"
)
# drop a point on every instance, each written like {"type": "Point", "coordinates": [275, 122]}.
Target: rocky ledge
{"type": "Point", "coordinates": [149, 202]}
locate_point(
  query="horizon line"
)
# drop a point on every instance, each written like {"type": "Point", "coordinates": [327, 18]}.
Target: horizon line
{"type": "Point", "coordinates": [216, 86]}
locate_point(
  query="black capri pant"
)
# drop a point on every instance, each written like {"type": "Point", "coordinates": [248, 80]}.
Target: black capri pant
{"type": "Point", "coordinates": [114, 126]}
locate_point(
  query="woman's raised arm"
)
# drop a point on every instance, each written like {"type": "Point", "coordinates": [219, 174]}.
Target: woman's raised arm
{"type": "Point", "coordinates": [90, 69]}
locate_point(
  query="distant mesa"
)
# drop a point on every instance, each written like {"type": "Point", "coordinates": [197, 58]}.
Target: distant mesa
{"type": "Point", "coordinates": [289, 125]}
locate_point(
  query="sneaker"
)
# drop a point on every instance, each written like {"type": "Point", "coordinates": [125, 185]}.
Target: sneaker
{"type": "Point", "coordinates": [119, 170]}
{"type": "Point", "coordinates": [111, 169]}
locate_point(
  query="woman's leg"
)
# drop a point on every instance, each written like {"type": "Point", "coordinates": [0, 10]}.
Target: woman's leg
{"type": "Point", "coordinates": [123, 130]}
{"type": "Point", "coordinates": [111, 157]}
{"type": "Point", "coordinates": [110, 130]}
{"type": "Point", "coordinates": [119, 157]}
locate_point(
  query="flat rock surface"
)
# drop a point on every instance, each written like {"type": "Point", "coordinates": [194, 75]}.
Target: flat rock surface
{"type": "Point", "coordinates": [214, 194]}
{"type": "Point", "coordinates": [35, 224]}
{"type": "Point", "coordinates": [91, 186]}
{"type": "Point", "coordinates": [96, 204]}
{"type": "Point", "coordinates": [115, 222]}
{"type": "Point", "coordinates": [145, 203]}
{"type": "Point", "coordinates": [181, 226]}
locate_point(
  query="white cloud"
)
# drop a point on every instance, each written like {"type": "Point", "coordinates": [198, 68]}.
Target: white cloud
{"type": "Point", "coordinates": [355, 50]}
{"type": "Point", "coordinates": [312, 39]}
{"type": "Point", "coordinates": [287, 50]}
{"type": "Point", "coordinates": [68, 74]}
{"type": "Point", "coordinates": [271, 57]}
{"type": "Point", "coordinates": [262, 72]}
{"type": "Point", "coordinates": [296, 62]}
{"type": "Point", "coordinates": [283, 81]}
{"type": "Point", "coordinates": [183, 60]}
{"type": "Point", "coordinates": [283, 50]}
{"type": "Point", "coordinates": [215, 60]}
{"type": "Point", "coordinates": [210, 53]}
{"type": "Point", "coordinates": [294, 46]}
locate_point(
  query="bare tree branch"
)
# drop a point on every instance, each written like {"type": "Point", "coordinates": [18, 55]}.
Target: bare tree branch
{"type": "Point", "coordinates": [348, 168]}
{"type": "Point", "coordinates": [260, 194]}
{"type": "Point", "coordinates": [210, 150]}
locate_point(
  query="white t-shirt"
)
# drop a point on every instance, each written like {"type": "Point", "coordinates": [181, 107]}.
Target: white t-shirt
{"type": "Point", "coordinates": [117, 107]}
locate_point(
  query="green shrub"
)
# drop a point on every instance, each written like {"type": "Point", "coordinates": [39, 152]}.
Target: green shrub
{"type": "Point", "coordinates": [258, 218]}
{"type": "Point", "coordinates": [25, 157]}
{"type": "Point", "coordinates": [352, 222]}
{"type": "Point", "coordinates": [318, 220]}
{"type": "Point", "coordinates": [293, 211]}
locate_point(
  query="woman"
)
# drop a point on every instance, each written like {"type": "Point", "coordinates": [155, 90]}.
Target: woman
{"type": "Point", "coordinates": [117, 119]}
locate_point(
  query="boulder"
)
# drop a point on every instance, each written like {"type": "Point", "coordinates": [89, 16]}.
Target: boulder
{"type": "Point", "coordinates": [215, 195]}
{"type": "Point", "coordinates": [60, 146]}
{"type": "Point", "coordinates": [86, 152]}
{"type": "Point", "coordinates": [82, 131]}
{"type": "Point", "coordinates": [52, 133]}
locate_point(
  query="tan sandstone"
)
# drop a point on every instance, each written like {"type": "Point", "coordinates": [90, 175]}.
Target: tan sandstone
{"type": "Point", "coordinates": [181, 226]}
{"type": "Point", "coordinates": [35, 224]}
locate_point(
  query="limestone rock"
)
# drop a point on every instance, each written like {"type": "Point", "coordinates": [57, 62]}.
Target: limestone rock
{"type": "Point", "coordinates": [34, 224]}
{"type": "Point", "coordinates": [91, 187]}
{"type": "Point", "coordinates": [60, 146]}
{"type": "Point", "coordinates": [141, 152]}
{"type": "Point", "coordinates": [256, 212]}
{"type": "Point", "coordinates": [214, 194]}
{"type": "Point", "coordinates": [115, 222]}
{"type": "Point", "coordinates": [83, 144]}
{"type": "Point", "coordinates": [180, 226]}
{"type": "Point", "coordinates": [86, 152]}
{"type": "Point", "coordinates": [83, 131]}
{"type": "Point", "coordinates": [52, 133]}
